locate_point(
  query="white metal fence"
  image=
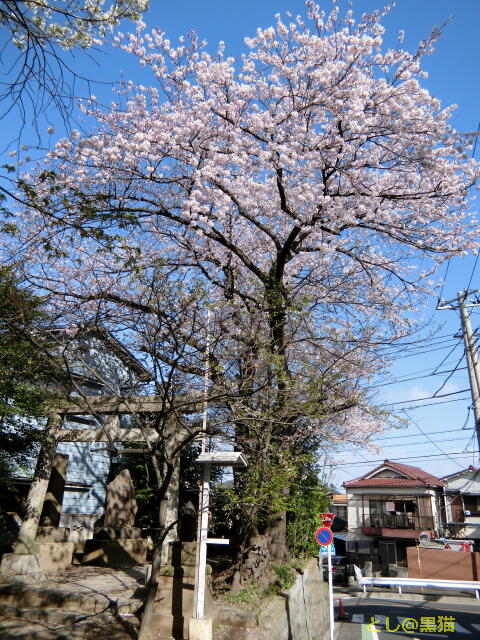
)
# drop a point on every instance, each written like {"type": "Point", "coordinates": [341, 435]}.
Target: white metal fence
{"type": "Point", "coordinates": [467, 585]}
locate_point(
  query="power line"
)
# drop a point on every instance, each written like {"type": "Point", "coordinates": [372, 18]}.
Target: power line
{"type": "Point", "coordinates": [444, 280]}
{"type": "Point", "coordinates": [401, 380]}
{"type": "Point", "coordinates": [432, 441]}
{"type": "Point", "coordinates": [404, 445]}
{"type": "Point", "coordinates": [443, 395]}
{"type": "Point", "coordinates": [475, 143]}
{"type": "Point", "coordinates": [415, 435]}
{"type": "Point", "coordinates": [476, 259]}
{"type": "Point", "coordinates": [470, 441]}
{"type": "Point", "coordinates": [414, 373]}
{"type": "Point", "coordinates": [432, 404]}
{"type": "Point", "coordinates": [420, 353]}
{"type": "Point", "coordinates": [469, 408]}
{"type": "Point", "coordinates": [414, 345]}
{"type": "Point", "coordinates": [425, 457]}
{"type": "Point", "coordinates": [449, 376]}
{"type": "Point", "coordinates": [425, 340]}
{"type": "Point", "coordinates": [447, 356]}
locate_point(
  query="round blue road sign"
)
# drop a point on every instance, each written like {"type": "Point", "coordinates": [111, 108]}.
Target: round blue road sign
{"type": "Point", "coordinates": [323, 536]}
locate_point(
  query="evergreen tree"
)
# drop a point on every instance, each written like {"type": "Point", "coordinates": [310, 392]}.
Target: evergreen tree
{"type": "Point", "coordinates": [27, 373]}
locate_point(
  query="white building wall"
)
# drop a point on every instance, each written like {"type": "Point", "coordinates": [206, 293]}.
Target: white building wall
{"type": "Point", "coordinates": [354, 511]}
{"type": "Point", "coordinates": [468, 482]}
{"type": "Point", "coordinates": [437, 499]}
{"type": "Point", "coordinates": [89, 467]}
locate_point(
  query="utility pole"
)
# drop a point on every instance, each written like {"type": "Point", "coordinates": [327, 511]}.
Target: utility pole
{"type": "Point", "coordinates": [462, 302]}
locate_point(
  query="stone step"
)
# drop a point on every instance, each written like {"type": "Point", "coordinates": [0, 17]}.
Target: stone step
{"type": "Point", "coordinates": [30, 596]}
{"type": "Point", "coordinates": [72, 627]}
{"type": "Point", "coordinates": [49, 617]}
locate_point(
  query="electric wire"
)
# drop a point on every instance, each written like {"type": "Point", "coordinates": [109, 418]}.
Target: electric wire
{"type": "Point", "coordinates": [424, 457]}
{"type": "Point", "coordinates": [449, 375]}
{"type": "Point", "coordinates": [469, 408]}
{"type": "Point", "coordinates": [427, 375]}
{"type": "Point", "coordinates": [475, 263]}
{"type": "Point", "coordinates": [447, 356]}
{"type": "Point", "coordinates": [443, 281]}
{"type": "Point", "coordinates": [475, 143]}
{"type": "Point", "coordinates": [433, 404]}
{"type": "Point", "coordinates": [415, 435]}
{"type": "Point", "coordinates": [414, 346]}
{"type": "Point", "coordinates": [405, 445]}
{"type": "Point", "coordinates": [432, 441]}
{"type": "Point", "coordinates": [421, 353]}
{"type": "Point", "coordinates": [443, 395]}
{"type": "Point", "coordinates": [416, 372]}
{"type": "Point", "coordinates": [471, 440]}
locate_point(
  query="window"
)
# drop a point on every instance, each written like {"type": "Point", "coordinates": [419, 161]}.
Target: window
{"type": "Point", "coordinates": [471, 505]}
{"type": "Point", "coordinates": [405, 506]}
{"type": "Point", "coordinates": [340, 512]}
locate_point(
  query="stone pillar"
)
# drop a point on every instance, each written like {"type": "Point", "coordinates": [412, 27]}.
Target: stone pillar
{"type": "Point", "coordinates": [200, 629]}
{"type": "Point", "coordinates": [174, 599]}
{"type": "Point", "coordinates": [31, 558]}
{"type": "Point", "coordinates": [118, 542]}
{"type": "Point", "coordinates": [52, 505]}
{"type": "Point", "coordinates": [38, 489]}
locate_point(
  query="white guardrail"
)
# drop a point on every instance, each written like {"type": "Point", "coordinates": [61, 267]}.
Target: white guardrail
{"type": "Point", "coordinates": [416, 582]}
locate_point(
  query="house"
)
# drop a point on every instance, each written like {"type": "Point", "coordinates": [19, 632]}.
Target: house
{"type": "Point", "coordinates": [100, 365]}
{"type": "Point", "coordinates": [97, 364]}
{"type": "Point", "coordinates": [462, 503]}
{"type": "Point", "coordinates": [391, 505]}
{"type": "Point", "coordinates": [338, 506]}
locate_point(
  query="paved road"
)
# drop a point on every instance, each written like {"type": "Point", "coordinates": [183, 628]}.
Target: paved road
{"type": "Point", "coordinates": [431, 620]}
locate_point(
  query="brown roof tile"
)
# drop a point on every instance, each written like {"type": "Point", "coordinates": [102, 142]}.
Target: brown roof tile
{"type": "Point", "coordinates": [416, 477]}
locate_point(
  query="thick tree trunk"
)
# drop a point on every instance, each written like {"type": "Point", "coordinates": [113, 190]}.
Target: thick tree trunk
{"type": "Point", "coordinates": [277, 533]}
{"type": "Point", "coordinates": [255, 564]}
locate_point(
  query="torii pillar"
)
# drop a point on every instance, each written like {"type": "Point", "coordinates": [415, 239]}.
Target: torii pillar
{"type": "Point", "coordinates": [31, 557]}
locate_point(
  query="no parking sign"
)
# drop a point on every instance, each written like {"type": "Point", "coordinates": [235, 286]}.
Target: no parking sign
{"type": "Point", "coordinates": [323, 536]}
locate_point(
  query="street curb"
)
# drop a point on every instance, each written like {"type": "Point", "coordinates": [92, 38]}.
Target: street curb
{"type": "Point", "coordinates": [400, 597]}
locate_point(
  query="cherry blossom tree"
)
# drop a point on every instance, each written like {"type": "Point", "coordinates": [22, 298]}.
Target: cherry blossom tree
{"type": "Point", "coordinates": [307, 193]}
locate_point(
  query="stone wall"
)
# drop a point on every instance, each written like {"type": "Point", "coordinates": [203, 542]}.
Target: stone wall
{"type": "Point", "coordinates": [298, 614]}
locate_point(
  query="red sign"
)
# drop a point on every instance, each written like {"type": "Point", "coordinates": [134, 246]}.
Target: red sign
{"type": "Point", "coordinates": [327, 519]}
{"type": "Point", "coordinates": [323, 536]}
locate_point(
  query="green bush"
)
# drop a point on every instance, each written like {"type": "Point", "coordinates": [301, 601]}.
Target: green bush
{"type": "Point", "coordinates": [308, 498]}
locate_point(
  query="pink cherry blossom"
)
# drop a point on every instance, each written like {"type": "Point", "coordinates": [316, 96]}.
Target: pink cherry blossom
{"type": "Point", "coordinates": [310, 190]}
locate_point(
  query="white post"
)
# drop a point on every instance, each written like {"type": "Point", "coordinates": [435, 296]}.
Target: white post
{"type": "Point", "coordinates": [202, 543]}
{"type": "Point", "coordinates": [203, 498]}
{"type": "Point", "coordinates": [330, 590]}
{"type": "Point", "coordinates": [206, 381]}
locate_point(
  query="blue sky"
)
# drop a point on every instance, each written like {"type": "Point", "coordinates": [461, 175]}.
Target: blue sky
{"type": "Point", "coordinates": [453, 78]}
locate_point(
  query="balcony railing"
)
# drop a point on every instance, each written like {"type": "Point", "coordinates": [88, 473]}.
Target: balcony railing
{"type": "Point", "coordinates": [402, 521]}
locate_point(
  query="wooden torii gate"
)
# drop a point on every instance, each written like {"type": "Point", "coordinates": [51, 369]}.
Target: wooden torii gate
{"type": "Point", "coordinates": [110, 431]}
